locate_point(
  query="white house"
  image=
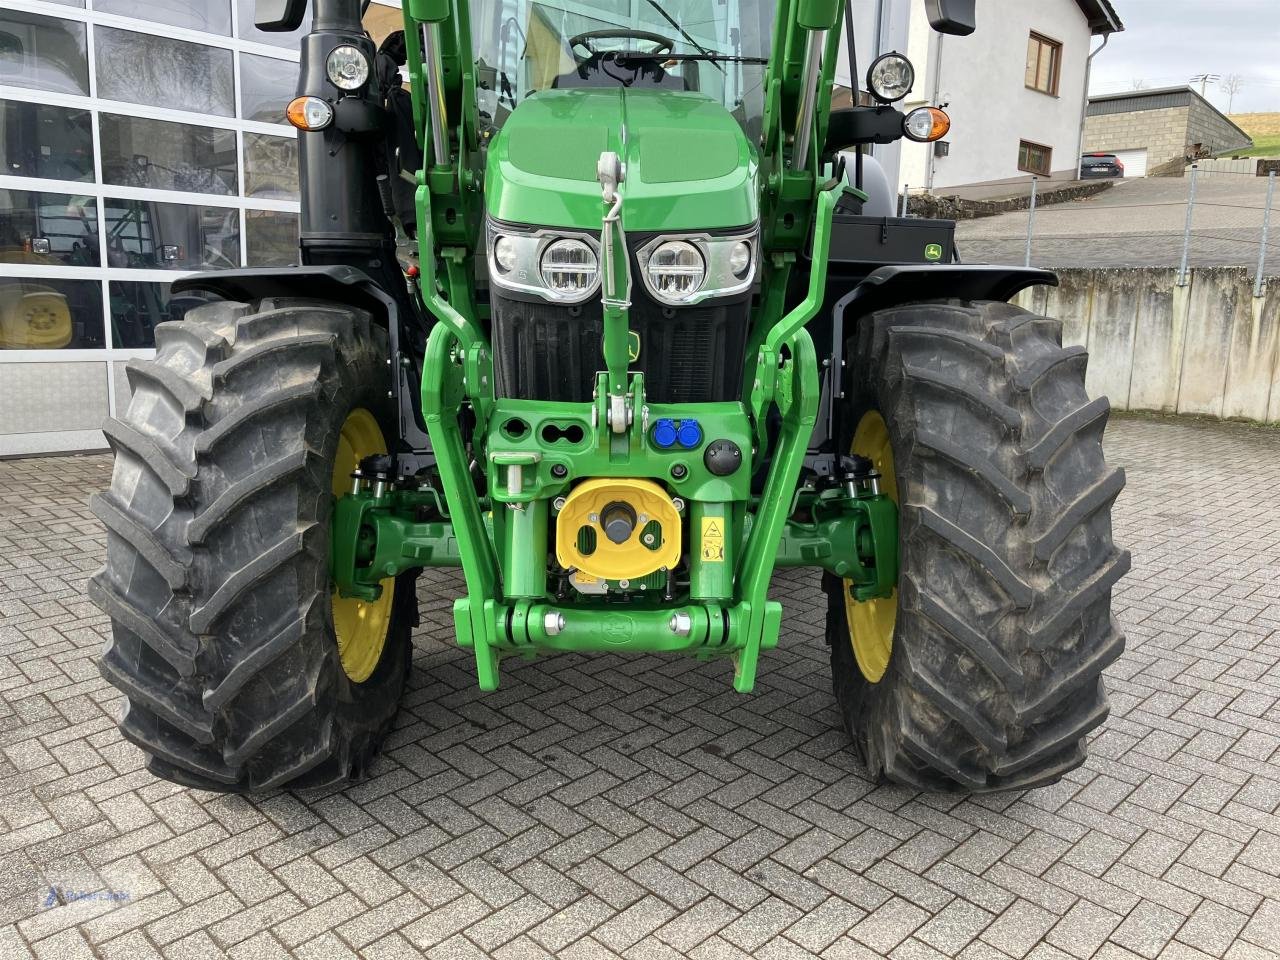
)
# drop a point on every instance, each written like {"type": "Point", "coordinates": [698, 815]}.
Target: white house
{"type": "Point", "coordinates": [1016, 90]}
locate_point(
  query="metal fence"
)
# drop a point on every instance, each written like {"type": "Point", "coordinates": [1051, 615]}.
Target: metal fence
{"type": "Point", "coordinates": [1200, 221]}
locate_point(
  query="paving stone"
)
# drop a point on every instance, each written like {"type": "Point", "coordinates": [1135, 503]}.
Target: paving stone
{"type": "Point", "coordinates": [692, 926]}
{"type": "Point", "coordinates": [1213, 928]}
{"type": "Point", "coordinates": [760, 924]}
{"type": "Point", "coordinates": [1084, 929]}
{"type": "Point", "coordinates": [1147, 929]}
{"type": "Point", "coordinates": [571, 923]}
{"type": "Point", "coordinates": [1019, 928]}
{"type": "Point", "coordinates": [636, 807]}
{"type": "Point", "coordinates": [954, 927]}
{"type": "Point", "coordinates": [889, 925]}
{"type": "Point", "coordinates": [1263, 928]}
{"type": "Point", "coordinates": [634, 923]}
{"type": "Point", "coordinates": [824, 925]}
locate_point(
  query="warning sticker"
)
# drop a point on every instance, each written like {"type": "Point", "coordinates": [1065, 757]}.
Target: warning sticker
{"type": "Point", "coordinates": [713, 539]}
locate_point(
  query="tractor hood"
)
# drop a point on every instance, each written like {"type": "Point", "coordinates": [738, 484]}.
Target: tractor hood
{"type": "Point", "coordinates": [689, 166]}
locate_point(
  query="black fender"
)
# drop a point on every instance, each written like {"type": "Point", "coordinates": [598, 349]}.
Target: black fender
{"type": "Point", "coordinates": [890, 287]}
{"type": "Point", "coordinates": [344, 284]}
{"type": "Point", "coordinates": [339, 283]}
{"type": "Point", "coordinates": [911, 283]}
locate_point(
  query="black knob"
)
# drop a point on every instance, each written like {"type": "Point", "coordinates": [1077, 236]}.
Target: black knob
{"type": "Point", "coordinates": [618, 521]}
{"type": "Point", "coordinates": [723, 457]}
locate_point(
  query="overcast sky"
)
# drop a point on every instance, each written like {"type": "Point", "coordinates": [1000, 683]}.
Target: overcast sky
{"type": "Point", "coordinates": [1166, 42]}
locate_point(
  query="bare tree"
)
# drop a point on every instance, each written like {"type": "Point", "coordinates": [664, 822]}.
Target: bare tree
{"type": "Point", "coordinates": [1231, 85]}
{"type": "Point", "coordinates": [1139, 84]}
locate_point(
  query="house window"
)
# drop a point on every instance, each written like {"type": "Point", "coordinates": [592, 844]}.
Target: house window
{"type": "Point", "coordinates": [1035, 158]}
{"type": "Point", "coordinates": [1044, 64]}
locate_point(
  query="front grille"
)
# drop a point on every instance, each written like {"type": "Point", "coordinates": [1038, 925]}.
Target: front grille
{"type": "Point", "coordinates": [544, 351]}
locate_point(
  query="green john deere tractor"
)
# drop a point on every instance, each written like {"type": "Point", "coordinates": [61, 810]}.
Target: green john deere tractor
{"type": "Point", "coordinates": [617, 319]}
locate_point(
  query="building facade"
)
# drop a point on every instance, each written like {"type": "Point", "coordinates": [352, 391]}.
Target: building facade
{"type": "Point", "coordinates": [1158, 131]}
{"type": "Point", "coordinates": [1015, 91]}
{"type": "Point", "coordinates": [140, 140]}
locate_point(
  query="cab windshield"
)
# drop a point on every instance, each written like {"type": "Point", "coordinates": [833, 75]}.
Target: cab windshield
{"type": "Point", "coordinates": [716, 48]}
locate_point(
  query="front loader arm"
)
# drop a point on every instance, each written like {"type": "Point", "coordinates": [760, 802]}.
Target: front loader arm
{"type": "Point", "coordinates": [797, 108]}
{"type": "Point", "coordinates": [446, 122]}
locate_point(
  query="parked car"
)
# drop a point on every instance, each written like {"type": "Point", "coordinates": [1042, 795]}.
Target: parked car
{"type": "Point", "coordinates": [1094, 165]}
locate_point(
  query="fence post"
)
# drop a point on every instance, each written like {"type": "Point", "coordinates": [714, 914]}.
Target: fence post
{"type": "Point", "coordinates": [1266, 232]}
{"type": "Point", "coordinates": [1186, 233]}
{"type": "Point", "coordinates": [906, 192]}
{"type": "Point", "coordinates": [1031, 218]}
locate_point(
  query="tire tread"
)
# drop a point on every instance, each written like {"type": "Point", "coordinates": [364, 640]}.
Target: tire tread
{"type": "Point", "coordinates": [217, 578]}
{"type": "Point", "coordinates": [1003, 631]}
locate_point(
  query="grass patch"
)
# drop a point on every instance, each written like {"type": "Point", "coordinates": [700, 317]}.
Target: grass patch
{"type": "Point", "coordinates": [1264, 128]}
{"type": "Point", "coordinates": [1262, 147]}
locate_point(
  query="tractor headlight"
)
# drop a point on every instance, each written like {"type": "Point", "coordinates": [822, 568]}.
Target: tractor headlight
{"type": "Point", "coordinates": [506, 255]}
{"type": "Point", "coordinates": [675, 271]}
{"type": "Point", "coordinates": [891, 77]}
{"type": "Point", "coordinates": [681, 271]}
{"type": "Point", "coordinates": [544, 262]}
{"type": "Point", "coordinates": [347, 67]}
{"type": "Point", "coordinates": [570, 270]}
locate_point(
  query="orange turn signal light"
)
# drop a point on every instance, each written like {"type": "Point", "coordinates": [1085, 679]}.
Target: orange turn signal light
{"type": "Point", "coordinates": [309, 113]}
{"type": "Point", "coordinates": [926, 124]}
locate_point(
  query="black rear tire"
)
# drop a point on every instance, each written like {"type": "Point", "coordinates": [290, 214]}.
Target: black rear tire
{"type": "Point", "coordinates": [217, 572]}
{"type": "Point", "coordinates": [1007, 562]}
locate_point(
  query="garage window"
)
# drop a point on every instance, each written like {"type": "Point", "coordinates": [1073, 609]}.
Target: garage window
{"type": "Point", "coordinates": [1044, 64]}
{"type": "Point", "coordinates": [1035, 158]}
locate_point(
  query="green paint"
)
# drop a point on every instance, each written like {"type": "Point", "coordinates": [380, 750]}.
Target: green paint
{"type": "Point", "coordinates": [689, 167]}
{"type": "Point", "coordinates": [854, 538]}
{"type": "Point", "coordinates": [542, 164]}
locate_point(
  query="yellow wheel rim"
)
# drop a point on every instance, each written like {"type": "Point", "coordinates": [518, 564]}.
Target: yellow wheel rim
{"type": "Point", "coordinates": [871, 622]}
{"type": "Point", "coordinates": [361, 627]}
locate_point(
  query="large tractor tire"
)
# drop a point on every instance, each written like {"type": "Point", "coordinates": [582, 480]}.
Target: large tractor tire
{"type": "Point", "coordinates": [984, 671]}
{"type": "Point", "coordinates": [242, 670]}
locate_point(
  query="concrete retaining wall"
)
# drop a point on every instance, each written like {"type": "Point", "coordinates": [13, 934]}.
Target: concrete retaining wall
{"type": "Point", "coordinates": [1207, 349]}
{"type": "Point", "coordinates": [1225, 166]}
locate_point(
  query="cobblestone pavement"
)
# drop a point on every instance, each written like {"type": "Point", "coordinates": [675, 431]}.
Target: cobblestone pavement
{"type": "Point", "coordinates": [602, 807]}
{"type": "Point", "coordinates": [1138, 223]}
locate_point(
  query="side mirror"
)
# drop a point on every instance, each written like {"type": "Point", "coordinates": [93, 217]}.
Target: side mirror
{"type": "Point", "coordinates": [279, 16]}
{"type": "Point", "coordinates": [956, 17]}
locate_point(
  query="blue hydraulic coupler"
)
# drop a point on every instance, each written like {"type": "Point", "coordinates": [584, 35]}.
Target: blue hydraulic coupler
{"type": "Point", "coordinates": [690, 434]}
{"type": "Point", "coordinates": [664, 434]}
